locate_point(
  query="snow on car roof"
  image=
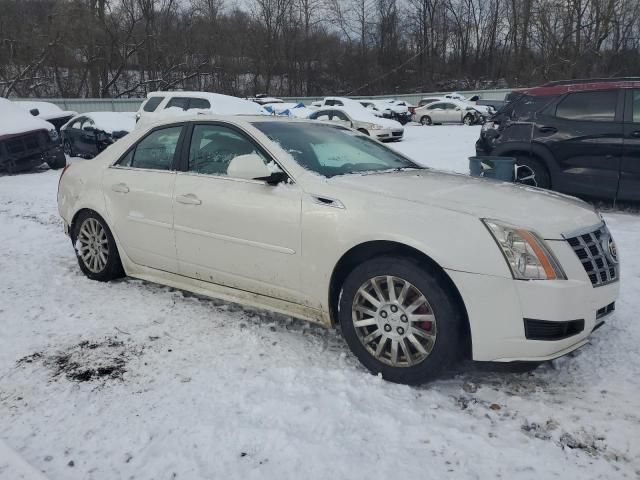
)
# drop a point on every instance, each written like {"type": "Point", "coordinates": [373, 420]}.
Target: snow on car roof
{"type": "Point", "coordinates": [15, 120]}
{"type": "Point", "coordinates": [47, 110]}
{"type": "Point", "coordinates": [362, 114]}
{"type": "Point", "coordinates": [108, 122]}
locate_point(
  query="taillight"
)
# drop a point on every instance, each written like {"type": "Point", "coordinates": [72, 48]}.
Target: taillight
{"type": "Point", "coordinates": [412, 110]}
{"type": "Point", "coordinates": [61, 174]}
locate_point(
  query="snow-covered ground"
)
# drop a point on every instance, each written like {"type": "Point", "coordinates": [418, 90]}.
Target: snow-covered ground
{"type": "Point", "coordinates": [190, 388]}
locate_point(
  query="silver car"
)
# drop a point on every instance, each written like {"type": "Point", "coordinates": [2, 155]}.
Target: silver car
{"type": "Point", "coordinates": [449, 111]}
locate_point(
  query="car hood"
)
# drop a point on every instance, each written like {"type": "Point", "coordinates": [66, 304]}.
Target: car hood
{"type": "Point", "coordinates": [549, 213]}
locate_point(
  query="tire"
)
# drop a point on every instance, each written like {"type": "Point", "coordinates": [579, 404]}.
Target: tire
{"type": "Point", "coordinates": [542, 176]}
{"type": "Point", "coordinates": [68, 148]}
{"type": "Point", "coordinates": [58, 162]}
{"type": "Point", "coordinates": [363, 332]}
{"type": "Point", "coordinates": [362, 130]}
{"type": "Point", "coordinates": [468, 120]}
{"type": "Point", "coordinates": [426, 120]}
{"type": "Point", "coordinates": [90, 233]}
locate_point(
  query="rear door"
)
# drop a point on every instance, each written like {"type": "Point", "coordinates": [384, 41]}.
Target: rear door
{"type": "Point", "coordinates": [630, 166]}
{"type": "Point", "coordinates": [437, 112]}
{"type": "Point", "coordinates": [138, 191]}
{"type": "Point", "coordinates": [584, 132]}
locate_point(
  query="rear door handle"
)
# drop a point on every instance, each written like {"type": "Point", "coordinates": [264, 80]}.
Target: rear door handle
{"type": "Point", "coordinates": [120, 188]}
{"type": "Point", "coordinates": [189, 199]}
{"type": "Point", "coordinates": [636, 134]}
{"type": "Point", "coordinates": [548, 129]}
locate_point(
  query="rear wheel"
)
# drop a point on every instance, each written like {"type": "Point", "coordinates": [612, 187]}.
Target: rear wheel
{"type": "Point", "coordinates": [468, 119]}
{"type": "Point", "coordinates": [400, 319]}
{"type": "Point", "coordinates": [426, 120]}
{"type": "Point", "coordinates": [96, 248]}
{"type": "Point", "coordinates": [539, 169]}
{"type": "Point", "coordinates": [68, 147]}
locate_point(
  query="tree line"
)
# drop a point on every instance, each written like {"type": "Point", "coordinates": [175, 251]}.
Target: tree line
{"type": "Point", "coordinates": [126, 48]}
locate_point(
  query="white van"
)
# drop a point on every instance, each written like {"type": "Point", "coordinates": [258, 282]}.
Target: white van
{"type": "Point", "coordinates": [159, 105]}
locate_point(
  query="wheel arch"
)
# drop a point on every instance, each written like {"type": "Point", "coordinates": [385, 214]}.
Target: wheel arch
{"type": "Point", "coordinates": [368, 250]}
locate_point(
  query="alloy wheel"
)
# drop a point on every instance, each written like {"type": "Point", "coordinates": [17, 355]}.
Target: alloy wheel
{"type": "Point", "coordinates": [92, 245]}
{"type": "Point", "coordinates": [394, 321]}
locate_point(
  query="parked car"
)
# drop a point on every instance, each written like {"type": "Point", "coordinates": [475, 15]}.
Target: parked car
{"type": "Point", "coordinates": [26, 141]}
{"type": "Point", "coordinates": [159, 105]}
{"type": "Point", "coordinates": [419, 268]}
{"type": "Point", "coordinates": [427, 100]}
{"type": "Point", "coordinates": [48, 111]}
{"type": "Point", "coordinates": [341, 102]}
{"type": "Point", "coordinates": [262, 99]}
{"type": "Point", "coordinates": [88, 134]}
{"type": "Point", "coordinates": [392, 109]}
{"type": "Point", "coordinates": [579, 138]}
{"type": "Point", "coordinates": [447, 111]}
{"type": "Point", "coordinates": [361, 120]}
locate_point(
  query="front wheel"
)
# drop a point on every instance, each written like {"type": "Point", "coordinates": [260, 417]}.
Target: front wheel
{"type": "Point", "coordinates": [426, 120]}
{"type": "Point", "coordinates": [96, 248]}
{"type": "Point", "coordinates": [538, 171]}
{"type": "Point", "coordinates": [68, 147]}
{"type": "Point", "coordinates": [468, 120]}
{"type": "Point", "coordinates": [400, 319]}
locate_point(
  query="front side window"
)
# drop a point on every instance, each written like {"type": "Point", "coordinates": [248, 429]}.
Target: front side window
{"type": "Point", "coordinates": [597, 106]}
{"type": "Point", "coordinates": [178, 102]}
{"type": "Point", "coordinates": [199, 103]}
{"type": "Point", "coordinates": [152, 104]}
{"type": "Point", "coordinates": [435, 106]}
{"type": "Point", "coordinates": [331, 150]}
{"type": "Point", "coordinates": [214, 146]}
{"type": "Point", "coordinates": [338, 115]}
{"type": "Point", "coordinates": [322, 115]}
{"type": "Point", "coordinates": [155, 151]}
{"type": "Point", "coordinates": [78, 124]}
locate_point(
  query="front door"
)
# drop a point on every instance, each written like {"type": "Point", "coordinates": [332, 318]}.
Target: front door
{"type": "Point", "coordinates": [584, 133]}
{"type": "Point", "coordinates": [139, 195]}
{"type": "Point", "coordinates": [239, 233]}
{"type": "Point", "coordinates": [630, 166]}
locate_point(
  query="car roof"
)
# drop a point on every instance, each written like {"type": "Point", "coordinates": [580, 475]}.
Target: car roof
{"type": "Point", "coordinates": [581, 85]}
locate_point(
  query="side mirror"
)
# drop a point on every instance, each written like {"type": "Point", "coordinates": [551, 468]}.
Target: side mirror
{"type": "Point", "coordinates": [252, 167]}
{"type": "Point", "coordinates": [35, 112]}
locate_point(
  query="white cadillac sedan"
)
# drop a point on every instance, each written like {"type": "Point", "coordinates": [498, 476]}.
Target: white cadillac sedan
{"type": "Point", "coordinates": [419, 268]}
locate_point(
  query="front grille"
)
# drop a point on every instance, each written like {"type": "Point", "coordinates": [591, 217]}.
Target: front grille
{"type": "Point", "coordinates": [599, 264]}
{"type": "Point", "coordinates": [546, 330]}
{"type": "Point", "coordinates": [397, 134]}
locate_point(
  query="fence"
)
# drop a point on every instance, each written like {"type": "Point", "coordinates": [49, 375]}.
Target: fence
{"type": "Point", "coordinates": [83, 105]}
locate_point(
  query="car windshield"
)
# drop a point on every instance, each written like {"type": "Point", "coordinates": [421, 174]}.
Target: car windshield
{"type": "Point", "coordinates": [331, 150]}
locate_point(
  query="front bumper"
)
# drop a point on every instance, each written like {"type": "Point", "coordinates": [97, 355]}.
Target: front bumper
{"type": "Point", "coordinates": [497, 308]}
{"type": "Point", "coordinates": [388, 135]}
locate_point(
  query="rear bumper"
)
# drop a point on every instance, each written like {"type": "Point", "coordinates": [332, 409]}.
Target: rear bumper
{"type": "Point", "coordinates": [497, 308]}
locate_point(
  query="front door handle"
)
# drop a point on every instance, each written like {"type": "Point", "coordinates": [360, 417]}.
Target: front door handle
{"type": "Point", "coordinates": [120, 188]}
{"type": "Point", "coordinates": [548, 129]}
{"type": "Point", "coordinates": [189, 199]}
{"type": "Point", "coordinates": [636, 134]}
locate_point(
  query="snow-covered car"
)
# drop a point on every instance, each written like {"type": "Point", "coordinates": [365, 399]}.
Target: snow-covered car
{"type": "Point", "coordinates": [338, 102]}
{"type": "Point", "coordinates": [362, 120]}
{"type": "Point", "coordinates": [160, 105]}
{"type": "Point", "coordinates": [88, 134]}
{"type": "Point", "coordinates": [419, 268]}
{"type": "Point", "coordinates": [27, 141]}
{"type": "Point", "coordinates": [395, 110]}
{"type": "Point", "coordinates": [47, 111]}
{"type": "Point", "coordinates": [447, 111]}
{"type": "Point", "coordinates": [265, 99]}
{"type": "Point", "coordinates": [485, 110]}
{"type": "Point", "coordinates": [288, 109]}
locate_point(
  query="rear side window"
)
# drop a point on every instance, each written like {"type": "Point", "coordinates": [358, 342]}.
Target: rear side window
{"type": "Point", "coordinates": [636, 106]}
{"type": "Point", "coordinates": [597, 106]}
{"type": "Point", "coordinates": [155, 151]}
{"type": "Point", "coordinates": [152, 104]}
{"type": "Point", "coordinates": [526, 106]}
{"type": "Point", "coordinates": [178, 102]}
{"type": "Point", "coordinates": [199, 103]}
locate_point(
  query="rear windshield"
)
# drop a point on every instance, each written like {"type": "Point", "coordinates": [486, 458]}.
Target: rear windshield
{"type": "Point", "coordinates": [330, 150]}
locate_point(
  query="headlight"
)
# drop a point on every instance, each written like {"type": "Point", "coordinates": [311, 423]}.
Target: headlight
{"type": "Point", "coordinates": [526, 253]}
{"type": "Point", "coordinates": [373, 126]}
{"type": "Point", "coordinates": [53, 135]}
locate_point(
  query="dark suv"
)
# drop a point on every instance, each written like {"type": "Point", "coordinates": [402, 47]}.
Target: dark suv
{"type": "Point", "coordinates": [580, 137]}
